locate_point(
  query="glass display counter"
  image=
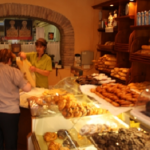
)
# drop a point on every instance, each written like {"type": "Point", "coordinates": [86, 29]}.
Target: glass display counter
{"type": "Point", "coordinates": [79, 120]}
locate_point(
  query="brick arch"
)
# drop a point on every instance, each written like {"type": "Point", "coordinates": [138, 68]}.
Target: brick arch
{"type": "Point", "coordinates": [47, 15]}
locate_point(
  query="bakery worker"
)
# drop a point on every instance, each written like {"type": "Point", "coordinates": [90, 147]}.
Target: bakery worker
{"type": "Point", "coordinates": [41, 63]}
{"type": "Point", "coordinates": [11, 80]}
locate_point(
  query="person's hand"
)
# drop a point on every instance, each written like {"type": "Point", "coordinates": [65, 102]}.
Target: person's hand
{"type": "Point", "coordinates": [33, 69]}
{"type": "Point", "coordinates": [22, 55]}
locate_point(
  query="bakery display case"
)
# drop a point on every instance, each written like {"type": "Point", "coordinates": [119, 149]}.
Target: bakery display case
{"type": "Point", "coordinates": [81, 120]}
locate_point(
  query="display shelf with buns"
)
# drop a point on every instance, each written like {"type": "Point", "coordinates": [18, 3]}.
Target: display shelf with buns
{"type": "Point", "coordinates": [123, 37]}
{"type": "Point", "coordinates": [106, 48]}
{"type": "Point", "coordinates": [139, 46]}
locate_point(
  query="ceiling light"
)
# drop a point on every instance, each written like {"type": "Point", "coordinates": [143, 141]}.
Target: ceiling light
{"type": "Point", "coordinates": [131, 0]}
{"type": "Point", "coordinates": [111, 5]}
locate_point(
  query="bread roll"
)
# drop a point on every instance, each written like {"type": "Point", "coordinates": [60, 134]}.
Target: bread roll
{"type": "Point", "coordinates": [110, 63]}
{"type": "Point", "coordinates": [146, 47]}
{"type": "Point", "coordinates": [122, 74]}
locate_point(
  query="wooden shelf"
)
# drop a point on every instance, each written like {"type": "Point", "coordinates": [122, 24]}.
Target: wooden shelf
{"type": "Point", "coordinates": [142, 58]}
{"type": "Point", "coordinates": [121, 47]}
{"type": "Point", "coordinates": [103, 30]}
{"type": "Point", "coordinates": [145, 27]}
{"type": "Point", "coordinates": [104, 50]}
{"type": "Point", "coordinates": [125, 17]}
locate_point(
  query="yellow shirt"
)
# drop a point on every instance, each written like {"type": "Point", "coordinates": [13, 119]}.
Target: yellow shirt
{"type": "Point", "coordinates": [44, 63]}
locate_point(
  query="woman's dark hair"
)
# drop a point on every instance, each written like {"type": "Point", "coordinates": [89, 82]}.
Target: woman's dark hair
{"type": "Point", "coordinates": [5, 55]}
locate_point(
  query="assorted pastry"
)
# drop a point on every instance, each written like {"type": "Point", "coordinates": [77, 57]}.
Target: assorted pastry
{"type": "Point", "coordinates": [106, 62]}
{"type": "Point", "coordinates": [139, 87]}
{"type": "Point", "coordinates": [50, 136]}
{"type": "Point", "coordinates": [71, 108]}
{"type": "Point", "coordinates": [62, 134]}
{"type": "Point", "coordinates": [90, 129]}
{"type": "Point", "coordinates": [95, 79]}
{"type": "Point", "coordinates": [124, 139]}
{"type": "Point", "coordinates": [120, 73]}
{"type": "Point", "coordinates": [70, 143]}
{"type": "Point", "coordinates": [117, 94]}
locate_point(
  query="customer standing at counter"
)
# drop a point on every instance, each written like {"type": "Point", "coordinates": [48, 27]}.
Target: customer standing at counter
{"type": "Point", "coordinates": [11, 80]}
{"type": "Point", "coordinates": [41, 63]}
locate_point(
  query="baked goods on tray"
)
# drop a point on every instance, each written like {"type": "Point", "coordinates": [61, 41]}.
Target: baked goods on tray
{"type": "Point", "coordinates": [50, 136]}
{"type": "Point", "coordinates": [54, 146]}
{"type": "Point", "coordinates": [90, 129]}
{"type": "Point", "coordinates": [117, 94]}
{"type": "Point", "coordinates": [125, 139]}
{"type": "Point", "coordinates": [139, 87]}
{"type": "Point", "coordinates": [70, 143]}
{"type": "Point", "coordinates": [120, 73]}
{"type": "Point", "coordinates": [71, 108]}
{"type": "Point", "coordinates": [106, 62]}
{"type": "Point", "coordinates": [62, 133]}
{"type": "Point", "coordinates": [95, 79]}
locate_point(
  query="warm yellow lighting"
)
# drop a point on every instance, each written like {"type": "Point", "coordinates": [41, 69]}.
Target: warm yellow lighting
{"type": "Point", "coordinates": [131, 0]}
{"type": "Point", "coordinates": [111, 5]}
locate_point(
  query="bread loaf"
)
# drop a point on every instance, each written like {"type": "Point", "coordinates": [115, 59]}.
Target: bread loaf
{"type": "Point", "coordinates": [147, 47]}
{"type": "Point", "coordinates": [110, 63]}
{"type": "Point", "coordinates": [25, 69]}
{"type": "Point", "coordinates": [122, 74]}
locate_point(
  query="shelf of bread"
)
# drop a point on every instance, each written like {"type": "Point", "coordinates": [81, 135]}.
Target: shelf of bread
{"type": "Point", "coordinates": [106, 62]}
{"type": "Point", "coordinates": [121, 47]}
{"type": "Point", "coordinates": [139, 56]}
{"type": "Point", "coordinates": [120, 73]}
{"type": "Point", "coordinates": [108, 47]}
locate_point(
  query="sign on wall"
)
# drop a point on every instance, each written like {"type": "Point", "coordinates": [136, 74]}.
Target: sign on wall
{"type": "Point", "coordinates": [18, 29]}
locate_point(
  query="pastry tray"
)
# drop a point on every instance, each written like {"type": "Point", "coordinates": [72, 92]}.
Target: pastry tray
{"type": "Point", "coordinates": [99, 119]}
{"type": "Point", "coordinates": [104, 104]}
{"type": "Point", "coordinates": [53, 124]}
{"type": "Point", "coordinates": [83, 142]}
